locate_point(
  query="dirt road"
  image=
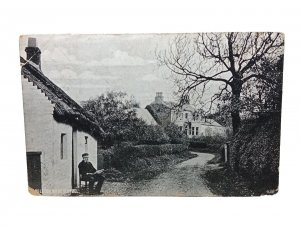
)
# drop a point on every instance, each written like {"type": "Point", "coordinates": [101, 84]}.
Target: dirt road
{"type": "Point", "coordinates": [183, 180]}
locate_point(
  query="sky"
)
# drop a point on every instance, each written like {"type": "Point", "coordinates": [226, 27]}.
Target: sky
{"type": "Point", "coordinates": [85, 66]}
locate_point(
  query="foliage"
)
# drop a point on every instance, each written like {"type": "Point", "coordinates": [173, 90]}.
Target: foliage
{"type": "Point", "coordinates": [208, 144]}
{"type": "Point", "coordinates": [114, 175]}
{"type": "Point", "coordinates": [225, 182]}
{"type": "Point", "coordinates": [229, 60]}
{"type": "Point", "coordinates": [254, 151]}
{"type": "Point", "coordinates": [264, 96]}
{"type": "Point", "coordinates": [108, 158]}
{"type": "Point", "coordinates": [175, 134]}
{"type": "Point", "coordinates": [147, 168]}
{"type": "Point", "coordinates": [116, 116]}
{"type": "Point", "coordinates": [128, 151]}
{"type": "Point", "coordinates": [142, 161]}
{"type": "Point", "coordinates": [259, 96]}
{"type": "Point", "coordinates": [152, 134]}
{"type": "Point", "coordinates": [125, 153]}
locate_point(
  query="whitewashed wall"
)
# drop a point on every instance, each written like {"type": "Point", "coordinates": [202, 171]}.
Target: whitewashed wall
{"type": "Point", "coordinates": [43, 134]}
{"type": "Point", "coordinates": [61, 177]}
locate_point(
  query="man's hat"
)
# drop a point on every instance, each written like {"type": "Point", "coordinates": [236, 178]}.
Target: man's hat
{"type": "Point", "coordinates": [85, 155]}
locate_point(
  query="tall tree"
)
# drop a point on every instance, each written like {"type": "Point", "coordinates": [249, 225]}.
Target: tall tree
{"type": "Point", "coordinates": [230, 60]}
{"type": "Point", "coordinates": [116, 116]}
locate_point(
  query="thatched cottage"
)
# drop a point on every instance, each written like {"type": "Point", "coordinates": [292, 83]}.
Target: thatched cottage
{"type": "Point", "coordinates": [57, 130]}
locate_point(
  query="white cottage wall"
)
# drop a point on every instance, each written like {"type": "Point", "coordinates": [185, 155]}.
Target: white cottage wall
{"type": "Point", "coordinates": [62, 167]}
{"type": "Point", "coordinates": [43, 134]}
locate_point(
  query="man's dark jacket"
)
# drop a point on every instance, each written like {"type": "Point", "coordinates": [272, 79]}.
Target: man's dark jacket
{"type": "Point", "coordinates": [86, 167]}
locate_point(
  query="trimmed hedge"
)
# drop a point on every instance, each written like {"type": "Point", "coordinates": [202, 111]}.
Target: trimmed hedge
{"type": "Point", "coordinates": [207, 144]}
{"type": "Point", "coordinates": [140, 151]}
{"type": "Point", "coordinates": [197, 144]}
{"type": "Point", "coordinates": [125, 154]}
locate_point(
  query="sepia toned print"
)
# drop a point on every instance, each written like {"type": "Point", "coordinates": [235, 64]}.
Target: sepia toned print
{"type": "Point", "coordinates": [152, 114]}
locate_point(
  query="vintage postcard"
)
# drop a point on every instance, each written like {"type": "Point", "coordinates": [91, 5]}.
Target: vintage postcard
{"type": "Point", "coordinates": [153, 114]}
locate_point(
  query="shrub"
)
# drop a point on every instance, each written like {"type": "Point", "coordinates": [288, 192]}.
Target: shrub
{"type": "Point", "coordinates": [108, 157]}
{"type": "Point", "coordinates": [115, 115]}
{"type": "Point", "coordinates": [254, 151]}
{"type": "Point", "coordinates": [115, 175]}
{"type": "Point", "coordinates": [211, 142]}
{"type": "Point", "coordinates": [197, 144]}
{"type": "Point", "coordinates": [130, 151]}
{"type": "Point", "coordinates": [153, 135]}
{"type": "Point", "coordinates": [126, 155]}
{"type": "Point", "coordinates": [175, 134]}
{"type": "Point", "coordinates": [127, 160]}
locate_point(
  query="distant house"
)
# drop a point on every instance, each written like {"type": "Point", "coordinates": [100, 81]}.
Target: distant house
{"type": "Point", "coordinates": [190, 121]}
{"type": "Point", "coordinates": [186, 117]}
{"type": "Point", "coordinates": [57, 129]}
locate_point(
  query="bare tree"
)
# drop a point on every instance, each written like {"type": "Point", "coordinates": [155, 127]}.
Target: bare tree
{"type": "Point", "coordinates": [230, 60]}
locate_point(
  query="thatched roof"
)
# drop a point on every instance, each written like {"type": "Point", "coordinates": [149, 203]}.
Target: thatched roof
{"type": "Point", "coordinates": [145, 115]}
{"type": "Point", "coordinates": [66, 110]}
{"type": "Point", "coordinates": [160, 112]}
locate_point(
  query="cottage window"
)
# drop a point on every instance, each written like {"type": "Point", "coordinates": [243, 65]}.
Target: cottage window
{"type": "Point", "coordinates": [193, 131]}
{"type": "Point", "coordinates": [197, 131]}
{"type": "Point", "coordinates": [186, 115]}
{"type": "Point", "coordinates": [190, 130]}
{"type": "Point", "coordinates": [86, 143]}
{"type": "Point", "coordinates": [63, 145]}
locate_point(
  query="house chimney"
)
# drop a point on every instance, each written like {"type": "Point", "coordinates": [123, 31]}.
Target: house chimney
{"type": "Point", "coordinates": [33, 52]}
{"type": "Point", "coordinates": [159, 98]}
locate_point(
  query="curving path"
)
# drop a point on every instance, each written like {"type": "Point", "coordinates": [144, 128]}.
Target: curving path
{"type": "Point", "coordinates": [183, 180]}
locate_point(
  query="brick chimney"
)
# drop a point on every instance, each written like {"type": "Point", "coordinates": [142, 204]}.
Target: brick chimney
{"type": "Point", "coordinates": [159, 98]}
{"type": "Point", "coordinates": [33, 52]}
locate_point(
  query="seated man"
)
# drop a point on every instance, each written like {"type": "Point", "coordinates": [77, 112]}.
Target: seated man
{"type": "Point", "coordinates": [88, 172]}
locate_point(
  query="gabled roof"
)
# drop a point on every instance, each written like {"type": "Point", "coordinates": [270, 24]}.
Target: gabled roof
{"type": "Point", "coordinates": [66, 110]}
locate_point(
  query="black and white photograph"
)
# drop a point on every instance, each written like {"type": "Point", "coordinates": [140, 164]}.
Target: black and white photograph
{"type": "Point", "coordinates": [156, 114]}
{"type": "Point", "coordinates": [149, 113]}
